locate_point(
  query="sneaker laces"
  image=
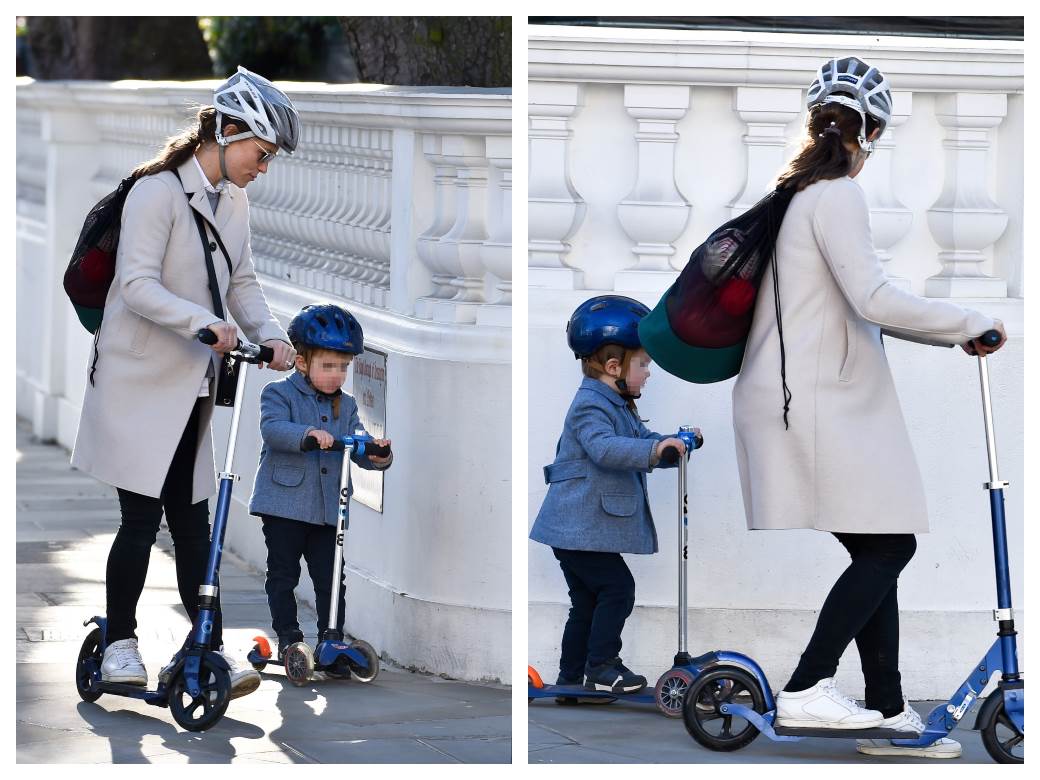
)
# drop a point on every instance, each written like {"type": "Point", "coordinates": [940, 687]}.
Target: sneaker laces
{"type": "Point", "coordinates": [913, 716]}
{"type": "Point", "coordinates": [126, 654]}
{"type": "Point", "coordinates": [832, 688]}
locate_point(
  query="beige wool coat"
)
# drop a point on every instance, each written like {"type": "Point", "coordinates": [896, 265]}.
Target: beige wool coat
{"type": "Point", "coordinates": [846, 464]}
{"type": "Point", "coordinates": [150, 365]}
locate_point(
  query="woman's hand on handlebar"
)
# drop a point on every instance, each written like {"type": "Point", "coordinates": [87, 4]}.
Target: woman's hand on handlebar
{"type": "Point", "coordinates": [284, 356]}
{"type": "Point", "coordinates": [375, 458]}
{"type": "Point", "coordinates": [670, 442]}
{"type": "Point", "coordinates": [976, 347]}
{"type": "Point", "coordinates": [227, 337]}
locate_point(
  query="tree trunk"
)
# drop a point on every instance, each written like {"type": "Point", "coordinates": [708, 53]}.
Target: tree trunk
{"type": "Point", "coordinates": [117, 47]}
{"type": "Point", "coordinates": [474, 51]}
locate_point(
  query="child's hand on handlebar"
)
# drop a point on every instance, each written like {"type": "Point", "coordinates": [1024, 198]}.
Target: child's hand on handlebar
{"type": "Point", "coordinates": [379, 461]}
{"type": "Point", "coordinates": [227, 337]}
{"type": "Point", "coordinates": [324, 438]}
{"type": "Point", "coordinates": [670, 442]}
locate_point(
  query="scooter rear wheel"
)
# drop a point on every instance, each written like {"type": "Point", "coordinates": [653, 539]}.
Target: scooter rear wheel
{"type": "Point", "coordinates": [701, 715]}
{"type": "Point", "coordinates": [1000, 736]}
{"type": "Point", "coordinates": [90, 649]}
{"type": "Point", "coordinates": [299, 663]}
{"type": "Point", "coordinates": [198, 713]}
{"type": "Point", "coordinates": [369, 674]}
{"type": "Point", "coordinates": [670, 690]}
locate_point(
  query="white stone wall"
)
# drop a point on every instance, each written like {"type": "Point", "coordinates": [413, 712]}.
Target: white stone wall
{"type": "Point", "coordinates": [641, 143]}
{"type": "Point", "coordinates": [396, 205]}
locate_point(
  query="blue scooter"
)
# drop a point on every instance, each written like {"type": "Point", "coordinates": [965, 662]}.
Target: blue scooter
{"type": "Point", "coordinates": [671, 686]}
{"type": "Point", "coordinates": [332, 656]}
{"type": "Point", "coordinates": [199, 684]}
{"type": "Point", "coordinates": [730, 701]}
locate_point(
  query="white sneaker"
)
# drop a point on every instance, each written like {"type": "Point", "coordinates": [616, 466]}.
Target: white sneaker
{"type": "Point", "coordinates": [908, 720]}
{"type": "Point", "coordinates": [244, 679]}
{"type": "Point", "coordinates": [823, 707]}
{"type": "Point", "coordinates": [122, 663]}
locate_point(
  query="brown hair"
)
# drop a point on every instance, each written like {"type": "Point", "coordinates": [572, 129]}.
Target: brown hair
{"type": "Point", "coordinates": [180, 147]}
{"type": "Point", "coordinates": [592, 366]}
{"type": "Point", "coordinates": [823, 154]}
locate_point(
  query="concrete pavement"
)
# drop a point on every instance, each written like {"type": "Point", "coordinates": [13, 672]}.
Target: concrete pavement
{"type": "Point", "coordinates": [65, 525]}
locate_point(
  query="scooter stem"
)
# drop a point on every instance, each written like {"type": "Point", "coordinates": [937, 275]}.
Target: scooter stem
{"type": "Point", "coordinates": [987, 414]}
{"type": "Point", "coordinates": [341, 528]}
{"type": "Point", "coordinates": [235, 414]}
{"type": "Point", "coordinates": [684, 534]}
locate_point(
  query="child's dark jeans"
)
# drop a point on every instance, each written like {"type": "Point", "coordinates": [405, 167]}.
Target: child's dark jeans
{"type": "Point", "coordinates": [287, 542]}
{"type": "Point", "coordinates": [603, 594]}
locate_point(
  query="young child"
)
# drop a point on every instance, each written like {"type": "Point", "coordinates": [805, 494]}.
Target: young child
{"type": "Point", "coordinates": [597, 505]}
{"type": "Point", "coordinates": [296, 493]}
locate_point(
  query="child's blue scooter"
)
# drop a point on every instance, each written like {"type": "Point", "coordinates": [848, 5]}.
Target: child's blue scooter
{"type": "Point", "coordinates": [199, 685]}
{"type": "Point", "coordinates": [671, 686]}
{"type": "Point", "coordinates": [730, 701]}
{"type": "Point", "coordinates": [332, 656]}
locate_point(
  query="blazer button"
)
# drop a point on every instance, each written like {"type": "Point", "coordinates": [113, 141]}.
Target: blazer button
{"type": "Point", "coordinates": [324, 470]}
{"type": "Point", "coordinates": [324, 419]}
{"type": "Point", "coordinates": [212, 246]}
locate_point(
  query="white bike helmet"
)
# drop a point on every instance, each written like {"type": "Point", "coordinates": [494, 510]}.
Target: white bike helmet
{"type": "Point", "coordinates": [265, 109]}
{"type": "Point", "coordinates": [851, 82]}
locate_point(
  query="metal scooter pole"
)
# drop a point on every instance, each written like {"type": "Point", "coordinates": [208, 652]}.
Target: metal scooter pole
{"type": "Point", "coordinates": [688, 435]}
{"type": "Point", "coordinates": [341, 528]}
{"type": "Point", "coordinates": [1004, 615]}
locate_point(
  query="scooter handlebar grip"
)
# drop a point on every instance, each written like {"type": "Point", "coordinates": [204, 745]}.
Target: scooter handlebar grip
{"type": "Point", "coordinates": [379, 450]}
{"type": "Point", "coordinates": [990, 338]}
{"type": "Point", "coordinates": [206, 336]}
{"type": "Point", "coordinates": [266, 354]}
{"type": "Point", "coordinates": [670, 455]}
{"type": "Point", "coordinates": [310, 443]}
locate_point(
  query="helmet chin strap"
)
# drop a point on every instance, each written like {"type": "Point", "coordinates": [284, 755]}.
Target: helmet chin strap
{"type": "Point", "coordinates": [223, 165]}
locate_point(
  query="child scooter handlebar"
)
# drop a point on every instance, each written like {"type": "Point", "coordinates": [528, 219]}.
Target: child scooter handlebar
{"type": "Point", "coordinates": [250, 353]}
{"type": "Point", "coordinates": [693, 440]}
{"type": "Point", "coordinates": [370, 448]}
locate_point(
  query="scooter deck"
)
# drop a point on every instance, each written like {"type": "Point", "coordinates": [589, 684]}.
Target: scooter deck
{"type": "Point", "coordinates": [645, 696]}
{"type": "Point", "coordinates": [133, 691]}
{"type": "Point", "coordinates": [785, 731]}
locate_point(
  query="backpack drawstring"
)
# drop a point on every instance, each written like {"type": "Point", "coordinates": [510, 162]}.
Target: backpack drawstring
{"type": "Point", "coordinates": [779, 321]}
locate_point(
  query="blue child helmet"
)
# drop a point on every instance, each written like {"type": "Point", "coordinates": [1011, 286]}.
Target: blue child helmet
{"type": "Point", "coordinates": [327, 326]}
{"type": "Point", "coordinates": [605, 319]}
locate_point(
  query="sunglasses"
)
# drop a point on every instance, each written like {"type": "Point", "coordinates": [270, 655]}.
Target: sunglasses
{"type": "Point", "coordinates": [266, 156]}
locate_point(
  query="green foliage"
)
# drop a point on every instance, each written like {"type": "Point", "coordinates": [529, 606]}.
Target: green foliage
{"type": "Point", "coordinates": [289, 48]}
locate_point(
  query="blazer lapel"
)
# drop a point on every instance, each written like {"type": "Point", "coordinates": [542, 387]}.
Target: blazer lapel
{"type": "Point", "coordinates": [190, 182]}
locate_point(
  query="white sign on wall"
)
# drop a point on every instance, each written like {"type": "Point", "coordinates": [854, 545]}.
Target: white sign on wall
{"type": "Point", "coordinates": [368, 386]}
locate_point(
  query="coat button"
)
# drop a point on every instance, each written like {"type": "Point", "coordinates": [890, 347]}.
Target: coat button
{"type": "Point", "coordinates": [324, 470]}
{"type": "Point", "coordinates": [324, 419]}
{"type": "Point", "coordinates": [212, 246]}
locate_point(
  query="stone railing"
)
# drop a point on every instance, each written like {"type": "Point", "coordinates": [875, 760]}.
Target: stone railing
{"type": "Point", "coordinates": [643, 141]}
{"type": "Point", "coordinates": [397, 205]}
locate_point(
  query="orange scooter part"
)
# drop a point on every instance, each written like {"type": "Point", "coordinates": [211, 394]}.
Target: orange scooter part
{"type": "Point", "coordinates": [534, 678]}
{"type": "Point", "coordinates": [263, 646]}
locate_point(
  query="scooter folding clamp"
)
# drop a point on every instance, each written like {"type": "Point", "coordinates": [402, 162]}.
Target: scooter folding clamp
{"type": "Point", "coordinates": [1004, 614]}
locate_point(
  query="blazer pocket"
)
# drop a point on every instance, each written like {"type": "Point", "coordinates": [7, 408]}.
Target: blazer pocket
{"type": "Point", "coordinates": [847, 368]}
{"type": "Point", "coordinates": [289, 476]}
{"type": "Point", "coordinates": [618, 504]}
{"type": "Point", "coordinates": [142, 330]}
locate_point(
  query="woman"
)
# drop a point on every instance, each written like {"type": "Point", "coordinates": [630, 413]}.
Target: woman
{"type": "Point", "coordinates": [821, 441]}
{"type": "Point", "coordinates": [145, 424]}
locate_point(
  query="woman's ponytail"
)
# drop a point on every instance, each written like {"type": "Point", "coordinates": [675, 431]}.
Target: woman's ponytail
{"type": "Point", "coordinates": [180, 147]}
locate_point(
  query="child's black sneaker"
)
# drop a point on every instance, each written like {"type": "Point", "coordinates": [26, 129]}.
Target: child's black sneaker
{"type": "Point", "coordinates": [613, 676]}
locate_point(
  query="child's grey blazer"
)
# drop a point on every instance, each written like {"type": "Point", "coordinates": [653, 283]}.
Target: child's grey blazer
{"type": "Point", "coordinates": [597, 496]}
{"type": "Point", "coordinates": [299, 485]}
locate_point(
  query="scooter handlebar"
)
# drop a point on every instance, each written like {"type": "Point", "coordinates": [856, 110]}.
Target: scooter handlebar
{"type": "Point", "coordinates": [370, 448]}
{"type": "Point", "coordinates": [244, 350]}
{"type": "Point", "coordinates": [990, 338]}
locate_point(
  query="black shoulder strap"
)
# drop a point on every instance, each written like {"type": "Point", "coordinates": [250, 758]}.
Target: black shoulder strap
{"type": "Point", "coordinates": [211, 272]}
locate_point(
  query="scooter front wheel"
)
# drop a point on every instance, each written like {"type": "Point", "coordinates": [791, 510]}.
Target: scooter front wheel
{"type": "Point", "coordinates": [299, 663]}
{"type": "Point", "coordinates": [1003, 740]}
{"type": "Point", "coordinates": [701, 708]}
{"type": "Point", "coordinates": [198, 713]}
{"type": "Point", "coordinates": [90, 650]}
{"type": "Point", "coordinates": [371, 658]}
{"type": "Point", "coordinates": [670, 690]}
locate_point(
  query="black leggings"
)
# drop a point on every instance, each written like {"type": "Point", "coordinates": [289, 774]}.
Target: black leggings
{"type": "Point", "coordinates": [862, 605]}
{"type": "Point", "coordinates": [189, 527]}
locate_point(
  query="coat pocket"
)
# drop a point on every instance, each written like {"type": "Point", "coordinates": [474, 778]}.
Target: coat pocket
{"type": "Point", "coordinates": [618, 504]}
{"type": "Point", "coordinates": [142, 330]}
{"type": "Point", "coordinates": [289, 476]}
{"type": "Point", "coordinates": [847, 368]}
